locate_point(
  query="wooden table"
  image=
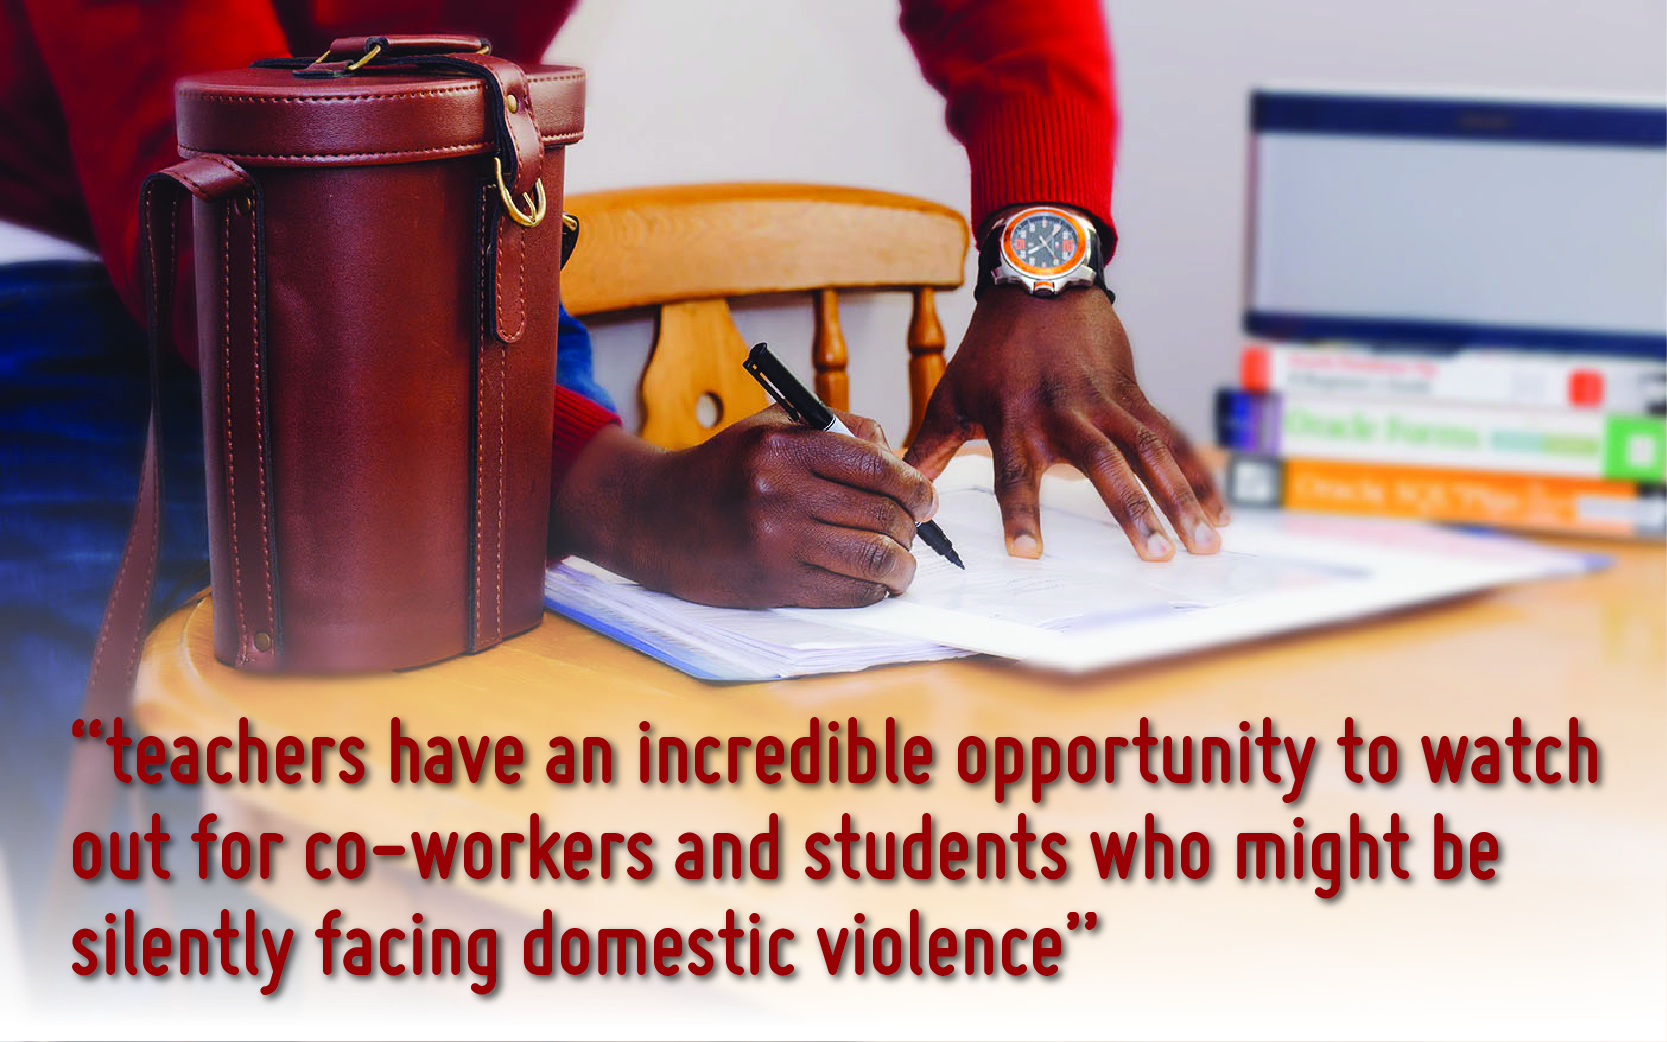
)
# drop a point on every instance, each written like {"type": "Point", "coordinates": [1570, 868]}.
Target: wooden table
{"type": "Point", "coordinates": [1568, 938]}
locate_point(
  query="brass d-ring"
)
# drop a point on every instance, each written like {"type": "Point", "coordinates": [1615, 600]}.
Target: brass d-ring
{"type": "Point", "coordinates": [365, 58]}
{"type": "Point", "coordinates": [534, 200]}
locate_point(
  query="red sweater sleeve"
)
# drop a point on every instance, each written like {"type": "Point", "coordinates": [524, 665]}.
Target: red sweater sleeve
{"type": "Point", "coordinates": [1030, 96]}
{"type": "Point", "coordinates": [578, 419]}
{"type": "Point", "coordinates": [113, 64]}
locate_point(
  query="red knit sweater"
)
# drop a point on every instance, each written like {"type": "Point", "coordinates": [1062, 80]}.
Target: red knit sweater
{"type": "Point", "coordinates": [86, 98]}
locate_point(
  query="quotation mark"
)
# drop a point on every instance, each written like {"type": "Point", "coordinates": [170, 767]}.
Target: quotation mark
{"type": "Point", "coordinates": [1088, 921]}
{"type": "Point", "coordinates": [82, 730]}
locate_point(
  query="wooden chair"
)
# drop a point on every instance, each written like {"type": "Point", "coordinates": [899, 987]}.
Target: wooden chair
{"type": "Point", "coordinates": [687, 249]}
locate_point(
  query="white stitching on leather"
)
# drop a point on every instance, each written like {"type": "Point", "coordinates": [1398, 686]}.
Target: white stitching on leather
{"type": "Point", "coordinates": [226, 390]}
{"type": "Point", "coordinates": [260, 438]}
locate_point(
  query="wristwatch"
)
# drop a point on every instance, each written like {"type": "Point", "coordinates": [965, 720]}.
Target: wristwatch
{"type": "Point", "coordinates": [1045, 249]}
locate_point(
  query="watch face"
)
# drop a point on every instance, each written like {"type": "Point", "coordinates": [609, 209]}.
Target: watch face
{"type": "Point", "coordinates": [1043, 242]}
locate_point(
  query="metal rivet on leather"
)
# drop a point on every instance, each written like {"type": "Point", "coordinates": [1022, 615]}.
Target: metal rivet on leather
{"type": "Point", "coordinates": [263, 642]}
{"type": "Point", "coordinates": [511, 104]}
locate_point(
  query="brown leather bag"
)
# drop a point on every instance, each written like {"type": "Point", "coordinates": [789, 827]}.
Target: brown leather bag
{"type": "Point", "coordinates": [378, 241]}
{"type": "Point", "coordinates": [378, 246]}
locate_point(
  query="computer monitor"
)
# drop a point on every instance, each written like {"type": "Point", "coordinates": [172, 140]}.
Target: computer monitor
{"type": "Point", "coordinates": [1448, 222]}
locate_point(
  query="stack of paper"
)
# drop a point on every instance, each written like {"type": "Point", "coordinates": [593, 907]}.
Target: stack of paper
{"type": "Point", "coordinates": [722, 643]}
{"type": "Point", "coordinates": [1089, 602]}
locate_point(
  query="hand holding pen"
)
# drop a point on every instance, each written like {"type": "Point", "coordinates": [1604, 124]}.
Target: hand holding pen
{"type": "Point", "coordinates": [804, 407]}
{"type": "Point", "coordinates": [765, 513]}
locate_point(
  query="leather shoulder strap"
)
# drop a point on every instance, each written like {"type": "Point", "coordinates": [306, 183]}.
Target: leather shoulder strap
{"type": "Point", "coordinates": [109, 694]}
{"type": "Point", "coordinates": [116, 655]}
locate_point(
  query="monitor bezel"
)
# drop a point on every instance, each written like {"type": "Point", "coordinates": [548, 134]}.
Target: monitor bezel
{"type": "Point", "coordinates": [1442, 117]}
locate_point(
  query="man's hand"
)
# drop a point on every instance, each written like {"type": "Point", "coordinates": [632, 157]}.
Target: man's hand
{"type": "Point", "coordinates": [766, 514]}
{"type": "Point", "coordinates": [1050, 380]}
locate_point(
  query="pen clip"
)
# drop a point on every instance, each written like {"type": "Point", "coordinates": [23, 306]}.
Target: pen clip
{"type": "Point", "coordinates": [752, 366]}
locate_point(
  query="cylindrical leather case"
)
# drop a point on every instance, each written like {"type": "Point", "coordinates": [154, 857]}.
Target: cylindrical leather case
{"type": "Point", "coordinates": [377, 289]}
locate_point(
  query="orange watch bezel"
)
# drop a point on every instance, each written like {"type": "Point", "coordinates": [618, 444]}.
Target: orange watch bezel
{"type": "Point", "coordinates": [1012, 258]}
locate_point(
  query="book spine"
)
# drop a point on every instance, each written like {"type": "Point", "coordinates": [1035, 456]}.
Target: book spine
{"type": "Point", "coordinates": [1568, 442]}
{"type": "Point", "coordinates": [1477, 378]}
{"type": "Point", "coordinates": [1576, 506]}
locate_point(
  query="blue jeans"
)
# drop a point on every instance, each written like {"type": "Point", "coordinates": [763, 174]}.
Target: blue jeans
{"type": "Point", "coordinates": [73, 399]}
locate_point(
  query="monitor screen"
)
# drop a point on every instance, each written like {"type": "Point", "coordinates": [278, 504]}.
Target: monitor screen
{"type": "Point", "coordinates": [1448, 222]}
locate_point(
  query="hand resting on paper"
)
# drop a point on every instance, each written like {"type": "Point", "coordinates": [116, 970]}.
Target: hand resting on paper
{"type": "Point", "coordinates": [765, 514]}
{"type": "Point", "coordinates": [1049, 380]}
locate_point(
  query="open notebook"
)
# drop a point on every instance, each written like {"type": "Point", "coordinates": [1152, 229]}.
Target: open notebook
{"type": "Point", "coordinates": [1088, 603]}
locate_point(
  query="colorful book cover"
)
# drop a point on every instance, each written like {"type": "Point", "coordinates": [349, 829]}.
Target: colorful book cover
{"type": "Point", "coordinates": [1581, 506]}
{"type": "Point", "coordinates": [1624, 385]}
{"type": "Point", "coordinates": [1569, 442]}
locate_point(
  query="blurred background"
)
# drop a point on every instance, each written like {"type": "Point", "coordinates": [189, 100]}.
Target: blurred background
{"type": "Point", "coordinates": [806, 90]}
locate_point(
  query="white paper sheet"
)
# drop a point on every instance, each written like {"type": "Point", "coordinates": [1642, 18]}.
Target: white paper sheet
{"type": "Point", "coordinates": [1089, 602]}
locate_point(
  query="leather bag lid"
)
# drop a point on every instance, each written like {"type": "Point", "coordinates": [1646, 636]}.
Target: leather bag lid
{"type": "Point", "coordinates": [270, 117]}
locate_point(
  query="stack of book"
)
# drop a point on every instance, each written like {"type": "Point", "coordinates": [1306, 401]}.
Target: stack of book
{"type": "Point", "coordinates": [1485, 437]}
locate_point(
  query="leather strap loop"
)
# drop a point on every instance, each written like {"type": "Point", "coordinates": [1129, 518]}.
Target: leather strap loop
{"type": "Point", "coordinates": [238, 441]}
{"type": "Point", "coordinates": [488, 489]}
{"type": "Point", "coordinates": [401, 45]}
{"type": "Point", "coordinates": [521, 153]}
{"type": "Point", "coordinates": [116, 655]}
{"type": "Point", "coordinates": [520, 147]}
{"type": "Point", "coordinates": [109, 694]}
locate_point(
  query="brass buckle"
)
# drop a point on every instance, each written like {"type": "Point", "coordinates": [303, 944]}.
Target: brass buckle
{"type": "Point", "coordinates": [356, 64]}
{"type": "Point", "coordinates": [534, 200]}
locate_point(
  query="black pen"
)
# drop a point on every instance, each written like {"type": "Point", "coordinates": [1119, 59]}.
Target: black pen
{"type": "Point", "coordinates": [804, 407]}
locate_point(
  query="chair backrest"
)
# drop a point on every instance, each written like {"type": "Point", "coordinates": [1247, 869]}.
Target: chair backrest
{"type": "Point", "coordinates": [687, 249]}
